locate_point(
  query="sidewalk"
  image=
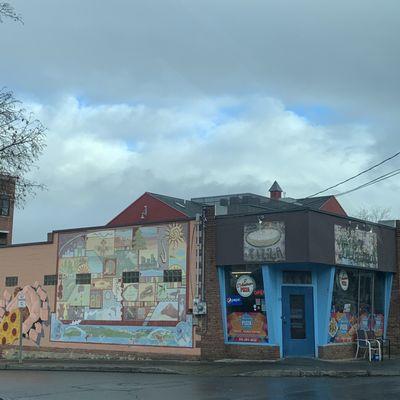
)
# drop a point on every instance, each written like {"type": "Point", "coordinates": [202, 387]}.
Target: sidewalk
{"type": "Point", "coordinates": [238, 368]}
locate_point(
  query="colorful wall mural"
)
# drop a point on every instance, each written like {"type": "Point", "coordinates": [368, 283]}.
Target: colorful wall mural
{"type": "Point", "coordinates": [123, 286]}
{"type": "Point", "coordinates": [265, 241]}
{"type": "Point", "coordinates": [356, 247]}
{"type": "Point", "coordinates": [34, 316]}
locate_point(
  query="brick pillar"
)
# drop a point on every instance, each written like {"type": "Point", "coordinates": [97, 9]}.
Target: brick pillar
{"type": "Point", "coordinates": [393, 330]}
{"type": "Point", "coordinates": [212, 342]}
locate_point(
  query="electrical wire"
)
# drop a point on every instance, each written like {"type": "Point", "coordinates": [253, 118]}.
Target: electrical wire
{"type": "Point", "coordinates": [372, 182]}
{"type": "Point", "coordinates": [356, 176]}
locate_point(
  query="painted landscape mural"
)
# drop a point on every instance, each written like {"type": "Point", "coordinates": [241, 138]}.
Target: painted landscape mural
{"type": "Point", "coordinates": [123, 286]}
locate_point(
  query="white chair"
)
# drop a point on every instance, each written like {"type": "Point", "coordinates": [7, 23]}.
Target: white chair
{"type": "Point", "coordinates": [373, 346]}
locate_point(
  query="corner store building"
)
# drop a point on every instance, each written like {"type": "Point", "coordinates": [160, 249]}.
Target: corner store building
{"type": "Point", "coordinates": [281, 278]}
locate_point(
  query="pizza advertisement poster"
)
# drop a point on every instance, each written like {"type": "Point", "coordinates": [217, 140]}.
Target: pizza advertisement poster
{"type": "Point", "coordinates": [247, 327]}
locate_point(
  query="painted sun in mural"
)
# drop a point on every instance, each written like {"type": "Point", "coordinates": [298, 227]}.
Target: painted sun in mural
{"type": "Point", "coordinates": [83, 269]}
{"type": "Point", "coordinates": [174, 235]}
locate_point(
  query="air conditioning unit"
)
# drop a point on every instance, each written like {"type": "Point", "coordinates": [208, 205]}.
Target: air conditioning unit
{"type": "Point", "coordinates": [199, 307]}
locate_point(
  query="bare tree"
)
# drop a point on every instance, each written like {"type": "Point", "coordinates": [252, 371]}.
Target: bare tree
{"type": "Point", "coordinates": [22, 140]}
{"type": "Point", "coordinates": [374, 214]}
{"type": "Point", "coordinates": [8, 11]}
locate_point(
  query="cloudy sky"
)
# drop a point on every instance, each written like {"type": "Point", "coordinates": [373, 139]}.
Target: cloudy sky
{"type": "Point", "coordinates": [191, 98]}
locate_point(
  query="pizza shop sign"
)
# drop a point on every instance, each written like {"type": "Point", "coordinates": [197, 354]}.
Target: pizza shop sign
{"type": "Point", "coordinates": [245, 285]}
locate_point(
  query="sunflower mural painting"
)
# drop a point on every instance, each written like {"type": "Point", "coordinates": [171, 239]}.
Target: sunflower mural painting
{"type": "Point", "coordinates": [34, 316]}
{"type": "Point", "coordinates": [123, 286]}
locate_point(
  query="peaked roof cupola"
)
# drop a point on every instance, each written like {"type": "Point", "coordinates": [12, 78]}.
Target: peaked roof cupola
{"type": "Point", "coordinates": [275, 191]}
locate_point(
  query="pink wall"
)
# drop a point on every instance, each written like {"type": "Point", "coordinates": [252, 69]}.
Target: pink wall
{"type": "Point", "coordinates": [31, 262]}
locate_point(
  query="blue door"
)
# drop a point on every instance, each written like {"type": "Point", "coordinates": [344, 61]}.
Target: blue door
{"type": "Point", "coordinates": [298, 321]}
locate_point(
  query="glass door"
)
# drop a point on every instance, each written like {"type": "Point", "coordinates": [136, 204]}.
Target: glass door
{"type": "Point", "coordinates": [298, 321]}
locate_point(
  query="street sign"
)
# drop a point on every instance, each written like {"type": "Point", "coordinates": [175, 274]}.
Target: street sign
{"type": "Point", "coordinates": [21, 304]}
{"type": "Point", "coordinates": [21, 300]}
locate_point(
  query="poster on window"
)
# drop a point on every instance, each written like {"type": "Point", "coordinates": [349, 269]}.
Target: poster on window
{"type": "Point", "coordinates": [265, 241]}
{"type": "Point", "coordinates": [342, 327]}
{"type": "Point", "coordinates": [250, 327]}
{"type": "Point", "coordinates": [356, 247]}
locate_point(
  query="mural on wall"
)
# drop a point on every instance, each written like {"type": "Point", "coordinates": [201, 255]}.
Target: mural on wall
{"type": "Point", "coordinates": [356, 247]}
{"type": "Point", "coordinates": [179, 335]}
{"type": "Point", "coordinates": [135, 287]}
{"type": "Point", "coordinates": [264, 241]}
{"type": "Point", "coordinates": [34, 315]}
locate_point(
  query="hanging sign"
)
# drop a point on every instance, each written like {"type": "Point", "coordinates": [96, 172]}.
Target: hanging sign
{"type": "Point", "coordinates": [264, 242]}
{"type": "Point", "coordinates": [21, 300]}
{"type": "Point", "coordinates": [356, 247]}
{"type": "Point", "coordinates": [245, 285]}
{"type": "Point", "coordinates": [343, 280]}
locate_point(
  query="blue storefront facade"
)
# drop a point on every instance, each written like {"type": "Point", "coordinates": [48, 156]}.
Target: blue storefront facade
{"type": "Point", "coordinates": [302, 281]}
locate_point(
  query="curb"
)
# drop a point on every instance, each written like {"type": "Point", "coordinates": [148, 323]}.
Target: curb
{"type": "Point", "coordinates": [267, 373]}
{"type": "Point", "coordinates": [320, 373]}
{"type": "Point", "coordinates": [306, 374]}
{"type": "Point", "coordinates": [89, 368]}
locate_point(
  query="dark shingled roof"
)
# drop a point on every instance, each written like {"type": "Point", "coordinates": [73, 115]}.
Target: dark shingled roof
{"type": "Point", "coordinates": [314, 202]}
{"type": "Point", "coordinates": [248, 203]}
{"type": "Point", "coordinates": [189, 208]}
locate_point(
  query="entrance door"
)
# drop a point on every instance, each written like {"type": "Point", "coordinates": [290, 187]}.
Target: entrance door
{"type": "Point", "coordinates": [298, 321]}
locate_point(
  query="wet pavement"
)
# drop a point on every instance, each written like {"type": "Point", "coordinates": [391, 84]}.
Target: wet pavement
{"type": "Point", "coordinates": [292, 367]}
{"type": "Point", "coordinates": [52, 385]}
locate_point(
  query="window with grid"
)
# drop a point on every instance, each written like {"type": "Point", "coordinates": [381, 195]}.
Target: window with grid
{"type": "Point", "coordinates": [3, 239]}
{"type": "Point", "coordinates": [11, 280]}
{"type": "Point", "coordinates": [130, 277]}
{"type": "Point", "coordinates": [4, 206]}
{"type": "Point", "coordinates": [173, 275]}
{"type": "Point", "coordinates": [83, 279]}
{"type": "Point", "coordinates": [50, 280]}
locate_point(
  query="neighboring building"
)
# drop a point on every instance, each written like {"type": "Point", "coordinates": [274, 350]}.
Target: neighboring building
{"type": "Point", "coordinates": [127, 286]}
{"type": "Point", "coordinates": [230, 276]}
{"type": "Point", "coordinates": [7, 195]}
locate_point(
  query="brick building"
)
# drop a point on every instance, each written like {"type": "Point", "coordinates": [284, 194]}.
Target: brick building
{"type": "Point", "coordinates": [288, 277]}
{"type": "Point", "coordinates": [125, 288]}
{"type": "Point", "coordinates": [231, 276]}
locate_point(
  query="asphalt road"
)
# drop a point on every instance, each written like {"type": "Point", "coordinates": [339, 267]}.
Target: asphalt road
{"type": "Point", "coordinates": [120, 386]}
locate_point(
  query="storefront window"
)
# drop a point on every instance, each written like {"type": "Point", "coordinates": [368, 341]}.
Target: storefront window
{"type": "Point", "coordinates": [245, 305]}
{"type": "Point", "coordinates": [344, 311]}
{"type": "Point", "coordinates": [357, 303]}
{"type": "Point", "coordinates": [365, 304]}
{"type": "Point", "coordinates": [379, 304]}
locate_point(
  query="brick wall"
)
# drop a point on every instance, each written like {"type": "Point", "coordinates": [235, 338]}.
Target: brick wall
{"type": "Point", "coordinates": [212, 342]}
{"type": "Point", "coordinates": [340, 351]}
{"type": "Point", "coordinates": [393, 331]}
{"type": "Point", "coordinates": [66, 352]}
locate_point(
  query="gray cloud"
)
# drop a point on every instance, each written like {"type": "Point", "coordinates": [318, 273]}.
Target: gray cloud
{"type": "Point", "coordinates": [191, 98]}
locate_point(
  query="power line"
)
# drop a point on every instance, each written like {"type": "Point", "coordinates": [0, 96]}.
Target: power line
{"type": "Point", "coordinates": [355, 176]}
{"type": "Point", "coordinates": [372, 182]}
